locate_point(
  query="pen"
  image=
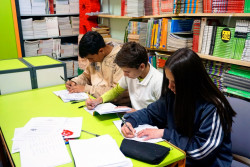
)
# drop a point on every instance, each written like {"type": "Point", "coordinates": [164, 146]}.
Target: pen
{"type": "Point", "coordinates": [74, 102]}
{"type": "Point", "coordinates": [90, 133]}
{"type": "Point", "coordinates": [82, 106]}
{"type": "Point", "coordinates": [124, 122]}
{"type": "Point", "coordinates": [63, 79]}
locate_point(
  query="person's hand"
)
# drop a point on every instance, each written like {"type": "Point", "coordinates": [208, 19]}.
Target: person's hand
{"type": "Point", "coordinates": [92, 103]}
{"type": "Point", "coordinates": [126, 132]}
{"type": "Point", "coordinates": [69, 83]}
{"type": "Point", "coordinates": [76, 89]}
{"type": "Point", "coordinates": [151, 133]}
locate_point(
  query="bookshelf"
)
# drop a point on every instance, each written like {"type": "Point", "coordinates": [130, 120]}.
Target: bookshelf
{"type": "Point", "coordinates": [49, 15]}
{"type": "Point", "coordinates": [212, 58]}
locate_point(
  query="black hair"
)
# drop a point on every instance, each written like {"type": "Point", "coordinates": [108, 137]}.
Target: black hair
{"type": "Point", "coordinates": [192, 83]}
{"type": "Point", "coordinates": [131, 55]}
{"type": "Point", "coordinates": [90, 43]}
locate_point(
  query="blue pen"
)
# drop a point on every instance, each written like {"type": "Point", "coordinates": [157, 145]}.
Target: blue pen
{"type": "Point", "coordinates": [66, 142]}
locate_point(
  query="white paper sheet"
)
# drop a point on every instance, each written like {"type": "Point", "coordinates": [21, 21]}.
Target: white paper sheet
{"type": "Point", "coordinates": [138, 129]}
{"type": "Point", "coordinates": [44, 151]}
{"type": "Point", "coordinates": [98, 152]}
{"type": "Point", "coordinates": [66, 96]}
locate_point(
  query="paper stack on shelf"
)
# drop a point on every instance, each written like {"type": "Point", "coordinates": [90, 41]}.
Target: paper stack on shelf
{"type": "Point", "coordinates": [166, 6]}
{"type": "Point", "coordinates": [75, 25]}
{"type": "Point", "coordinates": [69, 67]}
{"type": "Point", "coordinates": [62, 6]}
{"type": "Point", "coordinates": [76, 66]}
{"type": "Point", "coordinates": [31, 48]}
{"type": "Point", "coordinates": [64, 26]}
{"type": "Point", "coordinates": [96, 148]}
{"type": "Point", "coordinates": [143, 34]}
{"type": "Point", "coordinates": [151, 7]}
{"type": "Point", "coordinates": [75, 49]}
{"type": "Point", "coordinates": [38, 6]}
{"type": "Point", "coordinates": [46, 47]}
{"type": "Point", "coordinates": [25, 7]}
{"type": "Point", "coordinates": [103, 30]}
{"type": "Point", "coordinates": [73, 6]}
{"type": "Point", "coordinates": [27, 27]}
{"type": "Point", "coordinates": [135, 8]}
{"type": "Point", "coordinates": [246, 51]}
{"type": "Point", "coordinates": [40, 28]}
{"type": "Point", "coordinates": [179, 41]}
{"type": "Point", "coordinates": [52, 26]}
{"type": "Point", "coordinates": [56, 48]}
{"type": "Point", "coordinates": [67, 50]}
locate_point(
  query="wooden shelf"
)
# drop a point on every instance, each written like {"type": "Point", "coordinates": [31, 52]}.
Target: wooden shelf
{"type": "Point", "coordinates": [47, 15]}
{"type": "Point", "coordinates": [213, 58]}
{"type": "Point", "coordinates": [181, 14]}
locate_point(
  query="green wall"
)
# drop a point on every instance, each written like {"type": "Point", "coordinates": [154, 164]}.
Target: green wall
{"type": "Point", "coordinates": [8, 48]}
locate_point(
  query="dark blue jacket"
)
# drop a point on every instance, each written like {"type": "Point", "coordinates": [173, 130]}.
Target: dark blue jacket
{"type": "Point", "coordinates": [209, 146]}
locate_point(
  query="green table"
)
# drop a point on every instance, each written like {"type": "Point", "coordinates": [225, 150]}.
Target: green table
{"type": "Point", "coordinates": [18, 108]}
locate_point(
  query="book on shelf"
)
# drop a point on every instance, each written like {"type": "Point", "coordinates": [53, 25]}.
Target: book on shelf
{"type": "Point", "coordinates": [196, 34]}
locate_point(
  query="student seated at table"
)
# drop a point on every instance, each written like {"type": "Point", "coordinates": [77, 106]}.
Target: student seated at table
{"type": "Point", "coordinates": [102, 74]}
{"type": "Point", "coordinates": [141, 79]}
{"type": "Point", "coordinates": [192, 113]}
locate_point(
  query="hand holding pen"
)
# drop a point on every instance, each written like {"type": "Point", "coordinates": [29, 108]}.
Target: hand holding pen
{"type": "Point", "coordinates": [127, 129]}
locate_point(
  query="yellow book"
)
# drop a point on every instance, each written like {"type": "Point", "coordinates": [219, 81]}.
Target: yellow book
{"type": "Point", "coordinates": [155, 34]}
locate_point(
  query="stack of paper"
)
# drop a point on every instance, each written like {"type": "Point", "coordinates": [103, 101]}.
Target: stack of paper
{"type": "Point", "coordinates": [151, 7]}
{"type": "Point", "coordinates": [25, 7]}
{"type": "Point", "coordinates": [46, 47]}
{"type": "Point", "coordinates": [38, 6]}
{"type": "Point", "coordinates": [56, 48]}
{"type": "Point", "coordinates": [76, 66]}
{"type": "Point", "coordinates": [75, 49]}
{"type": "Point", "coordinates": [67, 50]}
{"type": "Point", "coordinates": [62, 6]}
{"type": "Point", "coordinates": [52, 26]}
{"type": "Point", "coordinates": [246, 52]}
{"type": "Point", "coordinates": [73, 6]}
{"type": "Point", "coordinates": [66, 96]}
{"type": "Point", "coordinates": [135, 8]}
{"type": "Point", "coordinates": [75, 25]}
{"type": "Point", "coordinates": [138, 129]}
{"type": "Point", "coordinates": [70, 68]}
{"type": "Point", "coordinates": [107, 108]}
{"type": "Point", "coordinates": [40, 28]}
{"type": "Point", "coordinates": [143, 34]}
{"type": "Point", "coordinates": [99, 151]}
{"type": "Point", "coordinates": [31, 48]}
{"type": "Point", "coordinates": [179, 41]}
{"type": "Point", "coordinates": [27, 27]}
{"type": "Point", "coordinates": [64, 26]}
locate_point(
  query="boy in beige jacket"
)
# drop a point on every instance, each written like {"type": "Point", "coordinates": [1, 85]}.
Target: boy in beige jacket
{"type": "Point", "coordinates": [102, 73]}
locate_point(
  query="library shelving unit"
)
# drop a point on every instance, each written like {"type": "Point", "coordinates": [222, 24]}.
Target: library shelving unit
{"type": "Point", "coordinates": [68, 38]}
{"type": "Point", "coordinates": [207, 57]}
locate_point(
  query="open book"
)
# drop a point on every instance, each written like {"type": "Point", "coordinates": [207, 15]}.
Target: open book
{"type": "Point", "coordinates": [106, 108]}
{"type": "Point", "coordinates": [66, 96]}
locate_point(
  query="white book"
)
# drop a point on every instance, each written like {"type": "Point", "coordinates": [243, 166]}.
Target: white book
{"type": "Point", "coordinates": [98, 151]}
{"type": "Point", "coordinates": [67, 97]}
{"type": "Point", "coordinates": [106, 108]}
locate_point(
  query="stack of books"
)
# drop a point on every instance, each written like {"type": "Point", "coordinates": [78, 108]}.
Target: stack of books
{"type": "Point", "coordinates": [46, 47]}
{"type": "Point", "coordinates": [143, 34]}
{"type": "Point", "coordinates": [25, 7]}
{"type": "Point", "coordinates": [31, 48]}
{"type": "Point", "coordinates": [38, 6]}
{"type": "Point", "coordinates": [62, 6]}
{"type": "Point", "coordinates": [73, 6]}
{"type": "Point", "coordinates": [103, 30]}
{"type": "Point", "coordinates": [67, 50]}
{"type": "Point", "coordinates": [52, 26]}
{"type": "Point", "coordinates": [247, 6]}
{"type": "Point", "coordinates": [75, 25]}
{"type": "Point", "coordinates": [177, 41]}
{"type": "Point", "coordinates": [64, 26]}
{"type": "Point", "coordinates": [40, 28]}
{"type": "Point", "coordinates": [135, 8]}
{"type": "Point", "coordinates": [193, 6]}
{"type": "Point", "coordinates": [27, 27]}
{"type": "Point", "coordinates": [151, 7]}
{"type": "Point", "coordinates": [166, 6]}
{"type": "Point", "coordinates": [246, 51]}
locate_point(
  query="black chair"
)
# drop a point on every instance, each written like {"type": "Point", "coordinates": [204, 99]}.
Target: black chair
{"type": "Point", "coordinates": [240, 132]}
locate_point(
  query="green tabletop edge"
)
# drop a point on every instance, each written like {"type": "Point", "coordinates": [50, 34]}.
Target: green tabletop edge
{"type": "Point", "coordinates": [11, 64]}
{"type": "Point", "coordinates": [41, 60]}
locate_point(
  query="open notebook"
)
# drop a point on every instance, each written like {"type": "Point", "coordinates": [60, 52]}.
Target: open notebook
{"type": "Point", "coordinates": [67, 97]}
{"type": "Point", "coordinates": [107, 108]}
